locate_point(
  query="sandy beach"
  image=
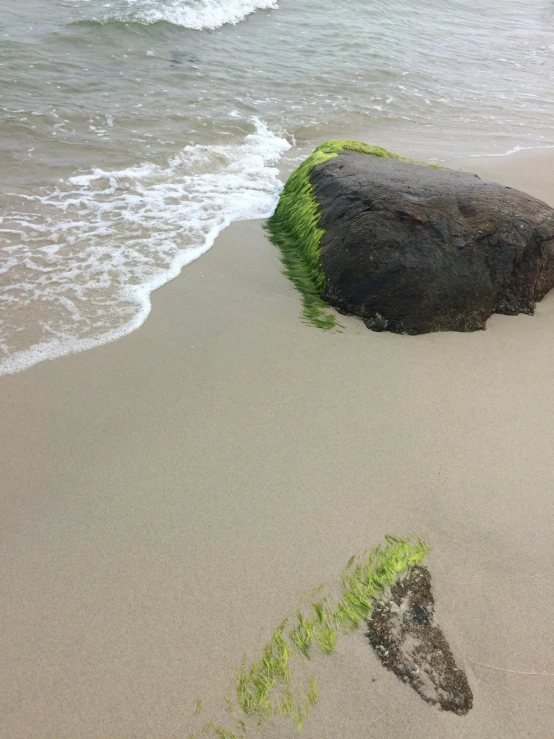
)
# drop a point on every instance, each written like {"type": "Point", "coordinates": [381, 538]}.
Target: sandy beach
{"type": "Point", "coordinates": [167, 498]}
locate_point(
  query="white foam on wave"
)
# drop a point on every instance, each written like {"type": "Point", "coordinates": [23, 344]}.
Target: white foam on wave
{"type": "Point", "coordinates": [197, 14]}
{"type": "Point", "coordinates": [515, 150]}
{"type": "Point", "coordinates": [81, 262]}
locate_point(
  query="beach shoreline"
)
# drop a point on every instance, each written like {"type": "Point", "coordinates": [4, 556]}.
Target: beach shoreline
{"type": "Point", "coordinates": [168, 497]}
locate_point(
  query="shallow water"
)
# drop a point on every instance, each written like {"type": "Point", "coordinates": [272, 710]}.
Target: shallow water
{"type": "Point", "coordinates": [133, 131]}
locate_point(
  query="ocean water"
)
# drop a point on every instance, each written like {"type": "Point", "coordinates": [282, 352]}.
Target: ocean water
{"type": "Point", "coordinates": [133, 131]}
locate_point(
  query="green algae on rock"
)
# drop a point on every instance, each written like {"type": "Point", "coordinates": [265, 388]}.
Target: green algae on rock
{"type": "Point", "coordinates": [295, 229]}
{"type": "Point", "coordinates": [273, 687]}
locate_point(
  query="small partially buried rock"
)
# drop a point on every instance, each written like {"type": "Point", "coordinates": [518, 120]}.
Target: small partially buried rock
{"type": "Point", "coordinates": [405, 637]}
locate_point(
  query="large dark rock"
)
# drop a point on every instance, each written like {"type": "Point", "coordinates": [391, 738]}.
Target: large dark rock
{"type": "Point", "coordinates": [411, 248]}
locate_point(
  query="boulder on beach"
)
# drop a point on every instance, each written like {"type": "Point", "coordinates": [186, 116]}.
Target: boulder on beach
{"type": "Point", "coordinates": [409, 247]}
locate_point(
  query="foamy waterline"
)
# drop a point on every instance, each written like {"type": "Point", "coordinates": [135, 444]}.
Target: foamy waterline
{"type": "Point", "coordinates": [198, 15]}
{"type": "Point", "coordinates": [510, 152]}
{"type": "Point", "coordinates": [90, 254]}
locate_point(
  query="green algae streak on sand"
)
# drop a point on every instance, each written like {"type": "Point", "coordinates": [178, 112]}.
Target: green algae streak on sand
{"type": "Point", "coordinates": [273, 687]}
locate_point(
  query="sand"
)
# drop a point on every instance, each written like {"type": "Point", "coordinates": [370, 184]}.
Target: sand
{"type": "Point", "coordinates": [167, 498]}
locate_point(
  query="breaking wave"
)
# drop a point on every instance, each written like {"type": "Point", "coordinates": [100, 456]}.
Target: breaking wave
{"type": "Point", "coordinates": [198, 15]}
{"type": "Point", "coordinates": [83, 260]}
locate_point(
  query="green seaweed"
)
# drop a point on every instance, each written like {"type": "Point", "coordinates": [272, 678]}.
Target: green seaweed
{"type": "Point", "coordinates": [268, 688]}
{"type": "Point", "coordinates": [294, 228]}
{"type": "Point", "coordinates": [312, 692]}
{"type": "Point", "coordinates": [303, 634]}
{"type": "Point", "coordinates": [255, 686]}
{"type": "Point", "coordinates": [364, 580]}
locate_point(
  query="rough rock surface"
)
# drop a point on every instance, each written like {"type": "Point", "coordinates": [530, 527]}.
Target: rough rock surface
{"type": "Point", "coordinates": [411, 248]}
{"type": "Point", "coordinates": [405, 637]}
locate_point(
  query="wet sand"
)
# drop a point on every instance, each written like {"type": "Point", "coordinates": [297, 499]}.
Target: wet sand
{"type": "Point", "coordinates": [167, 498]}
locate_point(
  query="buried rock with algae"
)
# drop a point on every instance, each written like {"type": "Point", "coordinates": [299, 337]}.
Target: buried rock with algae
{"type": "Point", "coordinates": [405, 637]}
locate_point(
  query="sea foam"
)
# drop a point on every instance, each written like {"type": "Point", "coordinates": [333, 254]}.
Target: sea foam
{"type": "Point", "coordinates": [195, 14]}
{"type": "Point", "coordinates": [80, 262]}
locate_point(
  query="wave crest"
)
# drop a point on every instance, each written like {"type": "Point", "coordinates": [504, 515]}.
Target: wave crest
{"type": "Point", "coordinates": [198, 15]}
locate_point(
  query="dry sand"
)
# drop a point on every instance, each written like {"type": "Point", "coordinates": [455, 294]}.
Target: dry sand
{"type": "Point", "coordinates": [166, 498]}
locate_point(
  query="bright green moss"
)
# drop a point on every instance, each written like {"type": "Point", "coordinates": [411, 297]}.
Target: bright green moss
{"type": "Point", "coordinates": [267, 688]}
{"type": "Point", "coordinates": [294, 228]}
{"type": "Point", "coordinates": [272, 687]}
